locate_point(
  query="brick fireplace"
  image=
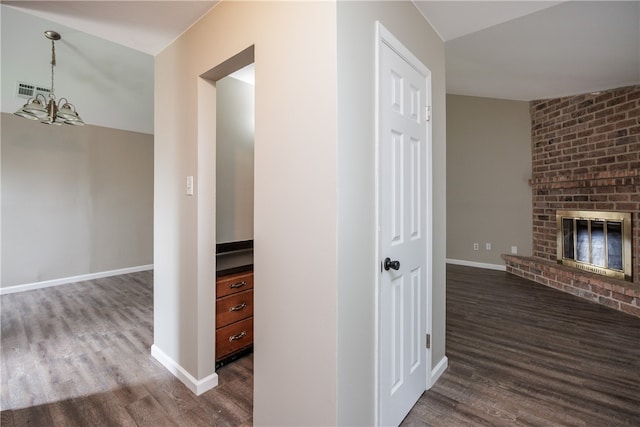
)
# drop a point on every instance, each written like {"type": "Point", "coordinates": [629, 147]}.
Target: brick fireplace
{"type": "Point", "coordinates": [586, 156]}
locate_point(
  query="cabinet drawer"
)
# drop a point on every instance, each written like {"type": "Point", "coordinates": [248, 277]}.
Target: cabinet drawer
{"type": "Point", "coordinates": [234, 307]}
{"type": "Point", "coordinates": [234, 337]}
{"type": "Point", "coordinates": [227, 285]}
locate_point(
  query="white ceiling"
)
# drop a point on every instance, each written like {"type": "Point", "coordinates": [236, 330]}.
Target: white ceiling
{"type": "Point", "coordinates": [146, 26]}
{"type": "Point", "coordinates": [246, 74]}
{"type": "Point", "coordinates": [503, 49]}
{"type": "Point", "coordinates": [453, 19]}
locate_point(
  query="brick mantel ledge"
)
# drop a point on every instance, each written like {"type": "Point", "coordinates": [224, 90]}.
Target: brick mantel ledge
{"type": "Point", "coordinates": [618, 294]}
{"type": "Point", "coordinates": [594, 178]}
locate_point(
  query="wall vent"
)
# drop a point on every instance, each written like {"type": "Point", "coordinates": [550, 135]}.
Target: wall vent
{"type": "Point", "coordinates": [29, 90]}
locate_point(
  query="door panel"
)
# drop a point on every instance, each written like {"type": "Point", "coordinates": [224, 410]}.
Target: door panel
{"type": "Point", "coordinates": [397, 190]}
{"type": "Point", "coordinates": [416, 318]}
{"type": "Point", "coordinates": [416, 189]}
{"type": "Point", "coordinates": [397, 332]}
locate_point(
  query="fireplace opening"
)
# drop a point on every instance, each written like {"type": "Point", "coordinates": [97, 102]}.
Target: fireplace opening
{"type": "Point", "coordinates": [599, 242]}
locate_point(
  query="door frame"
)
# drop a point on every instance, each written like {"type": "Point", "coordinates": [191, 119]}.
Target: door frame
{"type": "Point", "coordinates": [205, 192]}
{"type": "Point", "coordinates": [384, 36]}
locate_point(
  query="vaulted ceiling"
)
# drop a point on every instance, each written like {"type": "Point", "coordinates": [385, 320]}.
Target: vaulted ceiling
{"type": "Point", "coordinates": [502, 49]}
{"type": "Point", "coordinates": [535, 50]}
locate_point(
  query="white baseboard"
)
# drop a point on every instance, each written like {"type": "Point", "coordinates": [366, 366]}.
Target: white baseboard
{"type": "Point", "coordinates": [499, 267]}
{"type": "Point", "coordinates": [197, 387]}
{"type": "Point", "coordinates": [73, 279]}
{"type": "Point", "coordinates": [438, 370]}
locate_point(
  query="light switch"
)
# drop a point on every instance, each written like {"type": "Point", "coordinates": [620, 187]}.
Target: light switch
{"type": "Point", "coordinates": [190, 186]}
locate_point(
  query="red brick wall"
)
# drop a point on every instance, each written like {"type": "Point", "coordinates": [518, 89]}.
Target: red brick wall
{"type": "Point", "coordinates": [586, 155]}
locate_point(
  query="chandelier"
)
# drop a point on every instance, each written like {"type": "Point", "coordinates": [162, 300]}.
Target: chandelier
{"type": "Point", "coordinates": [45, 110]}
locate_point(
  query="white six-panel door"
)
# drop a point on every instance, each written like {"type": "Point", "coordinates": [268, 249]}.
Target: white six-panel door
{"type": "Point", "coordinates": [402, 229]}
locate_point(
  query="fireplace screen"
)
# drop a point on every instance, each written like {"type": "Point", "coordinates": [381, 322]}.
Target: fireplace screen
{"type": "Point", "coordinates": [599, 242]}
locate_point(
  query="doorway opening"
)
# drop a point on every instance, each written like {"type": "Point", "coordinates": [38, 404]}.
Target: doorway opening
{"type": "Point", "coordinates": [226, 100]}
{"type": "Point", "coordinates": [235, 111]}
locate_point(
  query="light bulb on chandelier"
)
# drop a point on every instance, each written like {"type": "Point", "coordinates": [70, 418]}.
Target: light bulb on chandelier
{"type": "Point", "coordinates": [45, 110]}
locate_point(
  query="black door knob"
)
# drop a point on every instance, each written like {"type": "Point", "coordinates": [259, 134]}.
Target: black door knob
{"type": "Point", "coordinates": [388, 264]}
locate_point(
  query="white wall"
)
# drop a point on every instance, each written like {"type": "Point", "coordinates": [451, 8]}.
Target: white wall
{"type": "Point", "coordinates": [234, 160]}
{"type": "Point", "coordinates": [488, 168]}
{"type": "Point", "coordinates": [295, 202]}
{"type": "Point", "coordinates": [110, 85]}
{"type": "Point", "coordinates": [357, 248]}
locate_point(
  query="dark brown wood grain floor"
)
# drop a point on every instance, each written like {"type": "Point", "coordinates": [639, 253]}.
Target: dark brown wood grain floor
{"type": "Point", "coordinates": [521, 354]}
{"type": "Point", "coordinates": [79, 355]}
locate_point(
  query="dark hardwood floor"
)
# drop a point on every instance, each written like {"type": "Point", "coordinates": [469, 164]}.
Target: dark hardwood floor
{"type": "Point", "coordinates": [79, 355]}
{"type": "Point", "coordinates": [519, 354]}
{"type": "Point", "coordinates": [524, 354]}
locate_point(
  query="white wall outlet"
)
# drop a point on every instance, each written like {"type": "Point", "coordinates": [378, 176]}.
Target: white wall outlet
{"type": "Point", "coordinates": [190, 186]}
{"type": "Point", "coordinates": [514, 250]}
{"type": "Point", "coordinates": [487, 246]}
{"type": "Point", "coordinates": [476, 246]}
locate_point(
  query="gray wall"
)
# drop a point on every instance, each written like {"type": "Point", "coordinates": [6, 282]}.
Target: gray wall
{"type": "Point", "coordinates": [488, 168]}
{"type": "Point", "coordinates": [75, 200]}
{"type": "Point", "coordinates": [234, 160]}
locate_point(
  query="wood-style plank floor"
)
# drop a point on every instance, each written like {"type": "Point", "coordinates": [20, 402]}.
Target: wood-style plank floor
{"type": "Point", "coordinates": [522, 354]}
{"type": "Point", "coordinates": [519, 354]}
{"type": "Point", "coordinates": [79, 355]}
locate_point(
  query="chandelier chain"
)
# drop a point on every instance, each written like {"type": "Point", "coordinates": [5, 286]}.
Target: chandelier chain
{"type": "Point", "coordinates": [53, 64]}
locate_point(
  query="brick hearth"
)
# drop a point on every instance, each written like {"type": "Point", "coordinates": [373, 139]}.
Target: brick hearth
{"type": "Point", "coordinates": [586, 156]}
{"type": "Point", "coordinates": [618, 294]}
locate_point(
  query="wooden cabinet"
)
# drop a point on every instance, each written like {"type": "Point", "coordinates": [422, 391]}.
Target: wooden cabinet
{"type": "Point", "coordinates": [234, 314]}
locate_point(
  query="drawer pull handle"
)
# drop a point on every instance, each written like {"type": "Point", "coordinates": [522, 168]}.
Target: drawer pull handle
{"type": "Point", "coordinates": [237, 336]}
{"type": "Point", "coordinates": [238, 307]}
{"type": "Point", "coordinates": [238, 285]}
